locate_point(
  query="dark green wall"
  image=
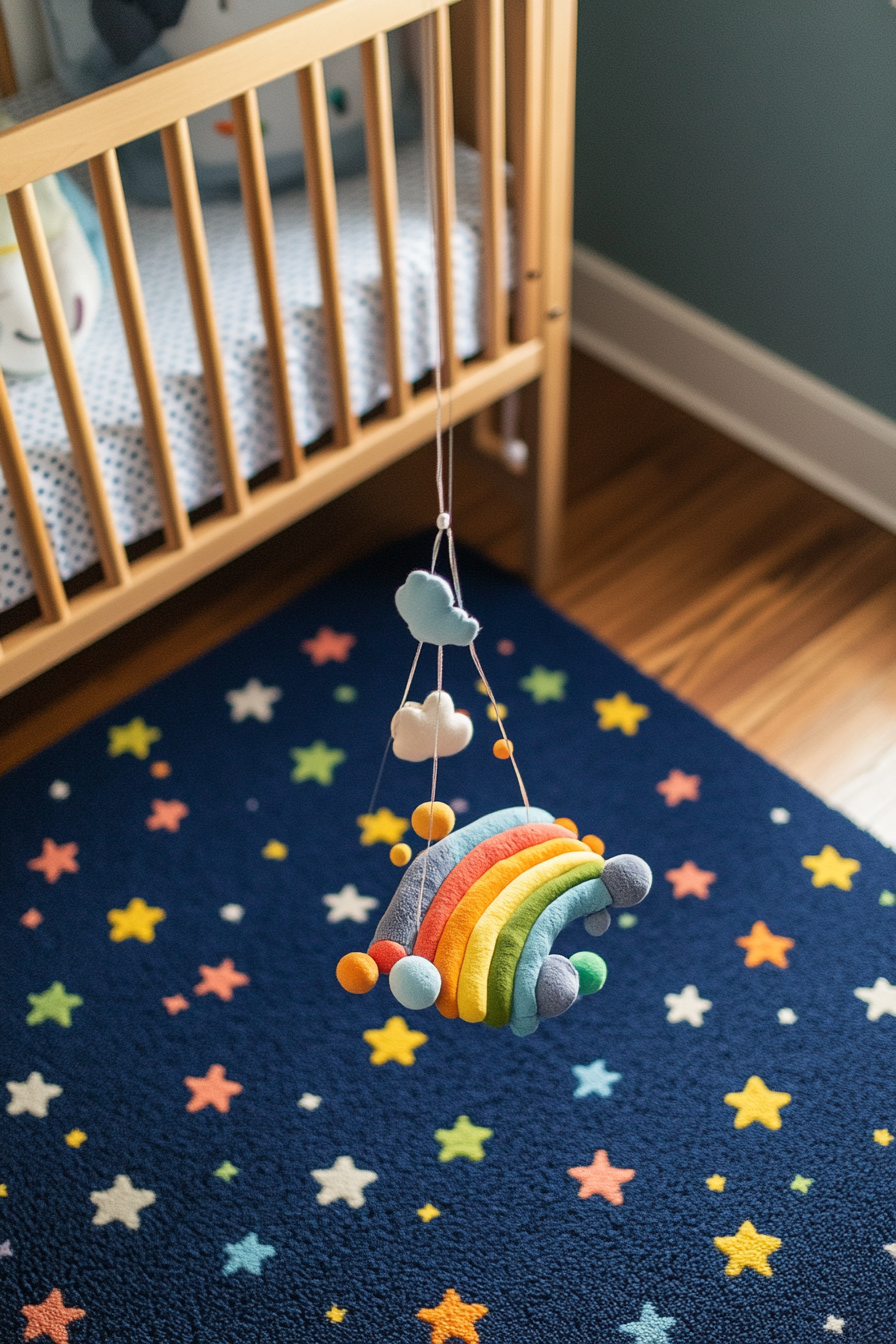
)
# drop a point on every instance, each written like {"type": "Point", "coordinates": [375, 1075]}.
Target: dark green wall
{"type": "Point", "coordinates": [742, 154]}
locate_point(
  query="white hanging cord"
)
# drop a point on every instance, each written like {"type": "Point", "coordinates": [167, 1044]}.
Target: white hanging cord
{"type": "Point", "coordinates": [500, 723]}
{"type": "Point", "coordinates": [407, 691]}
{"type": "Point", "coordinates": [432, 792]}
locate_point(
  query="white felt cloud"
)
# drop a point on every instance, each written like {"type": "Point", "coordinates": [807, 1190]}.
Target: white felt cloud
{"type": "Point", "coordinates": [414, 728]}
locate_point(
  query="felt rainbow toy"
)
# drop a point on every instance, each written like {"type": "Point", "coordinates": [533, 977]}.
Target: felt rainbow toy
{"type": "Point", "coordinates": [472, 923]}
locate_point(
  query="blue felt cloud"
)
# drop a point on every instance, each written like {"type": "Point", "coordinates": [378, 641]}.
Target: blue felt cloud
{"type": "Point", "coordinates": [426, 602]}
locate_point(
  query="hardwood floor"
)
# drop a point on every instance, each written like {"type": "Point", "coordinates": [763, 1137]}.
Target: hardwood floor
{"type": "Point", "coordinates": [757, 599]}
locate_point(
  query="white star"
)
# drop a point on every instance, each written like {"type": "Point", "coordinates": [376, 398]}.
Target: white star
{"type": "Point", "coordinates": [233, 913]}
{"type": "Point", "coordinates": [342, 1181]}
{"type": "Point", "coordinates": [892, 1249]}
{"type": "Point", "coordinates": [687, 1006]}
{"type": "Point", "coordinates": [309, 1101]}
{"type": "Point", "coordinates": [59, 789]}
{"type": "Point", "coordinates": [881, 998]}
{"type": "Point", "coordinates": [254, 701]}
{"type": "Point", "coordinates": [787, 1017]}
{"type": "Point", "coordinates": [347, 904]}
{"type": "Point", "coordinates": [835, 1324]}
{"type": "Point", "coordinates": [121, 1202]}
{"type": "Point", "coordinates": [32, 1097]}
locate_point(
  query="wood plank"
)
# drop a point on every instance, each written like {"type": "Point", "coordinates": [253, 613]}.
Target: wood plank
{"type": "Point", "coordinates": [490, 114]}
{"type": "Point", "coordinates": [438, 121]}
{"type": "Point", "coordinates": [525, 43]}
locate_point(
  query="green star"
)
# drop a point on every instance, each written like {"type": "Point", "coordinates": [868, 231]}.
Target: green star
{"type": "Point", "coordinates": [227, 1171]}
{"type": "Point", "coordinates": [464, 1140]}
{"type": "Point", "coordinates": [316, 762]}
{"type": "Point", "coordinates": [543, 685]}
{"type": "Point", "coordinates": [345, 695]}
{"type": "Point", "coordinates": [801, 1184]}
{"type": "Point", "coordinates": [135, 737]}
{"type": "Point", "coordinates": [53, 1005]}
{"type": "Point", "coordinates": [627, 920]}
{"type": "Point", "coordinates": [886, 898]}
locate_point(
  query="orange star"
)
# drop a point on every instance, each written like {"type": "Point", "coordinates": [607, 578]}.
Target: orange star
{"type": "Point", "coordinates": [51, 1317]}
{"type": "Point", "coordinates": [763, 945]}
{"type": "Point", "coordinates": [601, 1179]}
{"type": "Point", "coordinates": [175, 1003]}
{"type": "Point", "coordinates": [55, 859]}
{"type": "Point", "coordinates": [327, 646]}
{"type": "Point", "coordinates": [679, 787]}
{"type": "Point", "coordinates": [453, 1319]}
{"type": "Point", "coordinates": [32, 918]}
{"type": "Point", "coordinates": [220, 980]}
{"type": "Point", "coordinates": [166, 816]}
{"type": "Point", "coordinates": [212, 1090]}
{"type": "Point", "coordinates": [689, 880]}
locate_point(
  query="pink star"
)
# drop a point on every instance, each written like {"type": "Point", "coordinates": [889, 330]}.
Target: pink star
{"type": "Point", "coordinates": [689, 880]}
{"type": "Point", "coordinates": [166, 816]}
{"type": "Point", "coordinates": [212, 1090]}
{"type": "Point", "coordinates": [601, 1179]}
{"type": "Point", "coordinates": [327, 646]}
{"type": "Point", "coordinates": [32, 918]}
{"type": "Point", "coordinates": [679, 787]}
{"type": "Point", "coordinates": [220, 980]}
{"type": "Point", "coordinates": [55, 859]}
{"type": "Point", "coordinates": [175, 1003]}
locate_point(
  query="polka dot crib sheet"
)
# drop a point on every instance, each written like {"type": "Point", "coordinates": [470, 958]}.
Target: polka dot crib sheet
{"type": "Point", "coordinates": [108, 384]}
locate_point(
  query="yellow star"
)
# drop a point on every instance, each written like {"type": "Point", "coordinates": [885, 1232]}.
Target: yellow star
{"type": "Point", "coordinates": [135, 737]}
{"type": "Point", "coordinates": [428, 1212]}
{"type": "Point", "coordinates": [3, 1191]}
{"type": "Point", "coordinates": [830, 869]}
{"type": "Point", "coordinates": [620, 712]}
{"type": "Point", "coordinates": [394, 1041]}
{"type": "Point", "coordinates": [335, 1313]}
{"type": "Point", "coordinates": [883, 1137]}
{"type": "Point", "coordinates": [274, 849]}
{"type": "Point", "coordinates": [748, 1250]}
{"type": "Point", "coordinates": [137, 921]}
{"type": "Point", "coordinates": [382, 825]}
{"type": "Point", "coordinates": [757, 1102]}
{"type": "Point", "coordinates": [75, 1137]}
{"type": "Point", "coordinates": [716, 1182]}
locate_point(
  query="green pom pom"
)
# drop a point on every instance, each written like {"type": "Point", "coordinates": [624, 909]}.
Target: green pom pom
{"type": "Point", "coordinates": [592, 971]}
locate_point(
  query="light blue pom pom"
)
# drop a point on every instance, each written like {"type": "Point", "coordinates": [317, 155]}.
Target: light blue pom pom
{"type": "Point", "coordinates": [415, 983]}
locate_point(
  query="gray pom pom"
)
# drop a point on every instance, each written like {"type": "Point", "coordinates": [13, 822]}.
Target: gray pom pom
{"type": "Point", "coordinates": [597, 923]}
{"type": "Point", "coordinates": [558, 986]}
{"type": "Point", "coordinates": [627, 878]}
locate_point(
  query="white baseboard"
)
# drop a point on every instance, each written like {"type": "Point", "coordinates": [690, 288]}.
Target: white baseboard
{"type": "Point", "coordinates": [808, 427]}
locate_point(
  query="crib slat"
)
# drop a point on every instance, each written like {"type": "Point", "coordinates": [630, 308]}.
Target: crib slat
{"type": "Point", "coordinates": [525, 123]}
{"type": "Point", "coordinates": [256, 193]}
{"type": "Point", "coordinates": [439, 117]}
{"type": "Point", "coordinates": [50, 315]}
{"type": "Point", "coordinates": [29, 519]}
{"type": "Point", "coordinates": [490, 113]}
{"type": "Point", "coordinates": [113, 214]}
{"type": "Point", "coordinates": [322, 198]}
{"type": "Point", "coordinates": [383, 180]}
{"type": "Point", "coordinates": [191, 232]}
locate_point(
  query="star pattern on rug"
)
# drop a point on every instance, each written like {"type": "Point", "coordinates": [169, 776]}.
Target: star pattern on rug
{"type": "Point", "coordinates": [453, 1318]}
{"type": "Point", "coordinates": [226, 1171]}
{"type": "Point", "coordinates": [716, 1183]}
{"type": "Point", "coordinates": [167, 816]}
{"type": "Point", "coordinates": [54, 860]}
{"type": "Point", "coordinates": [620, 712]}
{"type": "Point", "coordinates": [54, 1005]}
{"type": "Point", "coordinates": [134, 738]}
{"type": "Point", "coordinates": [763, 945]}
{"type": "Point", "coordinates": [32, 1097]}
{"type": "Point", "coordinates": [309, 1101]}
{"type": "Point", "coordinates": [689, 880]}
{"type": "Point", "coordinates": [348, 904]}
{"type": "Point", "coordinates": [121, 1203]}
{"type": "Point", "coordinates": [5, 1249]}
{"type": "Point", "coordinates": [687, 1006]}
{"type": "Point", "coordinates": [275, 849]}
{"type": "Point", "coordinates": [834, 1325]}
{"type": "Point", "coordinates": [830, 869]}
{"type": "Point", "coordinates": [382, 826]}
{"type": "Point", "coordinates": [175, 1003]}
{"type": "Point", "coordinates": [395, 1041]}
{"type": "Point", "coordinates": [757, 1103]}
{"type": "Point", "coordinates": [137, 920]}
{"type": "Point", "coordinates": [891, 1249]}
{"type": "Point", "coordinates": [881, 1136]}
{"type": "Point", "coordinates": [248, 1254]}
{"type": "Point", "coordinates": [253, 701]}
{"type": "Point", "coordinates": [75, 1137]}
{"type": "Point", "coordinates": [343, 1181]}
{"type": "Point", "coordinates": [215, 1089]}
{"type": "Point", "coordinates": [463, 1139]}
{"type": "Point", "coordinates": [595, 1079]}
{"type": "Point", "coordinates": [59, 790]}
{"type": "Point", "coordinates": [786, 1017]}
{"type": "Point", "coordinates": [749, 1249]}
{"type": "Point", "coordinates": [32, 918]}
{"type": "Point", "coordinates": [801, 1184]}
{"type": "Point", "coordinates": [316, 762]}
{"type": "Point", "coordinates": [336, 1314]}
{"type": "Point", "coordinates": [601, 1179]}
{"type": "Point", "coordinates": [880, 998]}
{"type": "Point", "coordinates": [678, 787]}
{"type": "Point", "coordinates": [51, 1318]}
{"type": "Point", "coordinates": [221, 980]}
{"type": "Point", "coordinates": [650, 1328]}
{"type": "Point", "coordinates": [543, 685]}
{"type": "Point", "coordinates": [328, 647]}
{"type": "Point", "coordinates": [428, 1212]}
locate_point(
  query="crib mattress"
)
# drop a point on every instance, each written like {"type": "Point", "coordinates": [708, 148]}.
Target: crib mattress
{"type": "Point", "coordinates": [108, 383]}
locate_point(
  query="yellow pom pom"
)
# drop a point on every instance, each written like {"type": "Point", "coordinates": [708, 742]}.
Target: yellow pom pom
{"type": "Point", "coordinates": [442, 821]}
{"type": "Point", "coordinates": [570, 825]}
{"type": "Point", "coordinates": [594, 842]}
{"type": "Point", "coordinates": [357, 972]}
{"type": "Point", "coordinates": [503, 750]}
{"type": "Point", "coordinates": [400, 855]}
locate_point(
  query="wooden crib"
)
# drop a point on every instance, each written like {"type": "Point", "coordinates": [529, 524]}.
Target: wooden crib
{"type": "Point", "coordinates": [514, 89]}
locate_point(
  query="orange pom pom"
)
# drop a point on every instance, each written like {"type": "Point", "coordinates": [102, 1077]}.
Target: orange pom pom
{"type": "Point", "coordinates": [594, 842]}
{"type": "Point", "coordinates": [357, 972]}
{"type": "Point", "coordinates": [503, 750]}
{"type": "Point", "coordinates": [569, 825]}
{"type": "Point", "coordinates": [400, 855]}
{"type": "Point", "coordinates": [442, 821]}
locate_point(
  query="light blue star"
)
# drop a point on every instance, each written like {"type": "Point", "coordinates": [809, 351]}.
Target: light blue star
{"type": "Point", "coordinates": [247, 1254]}
{"type": "Point", "coordinates": [650, 1329]}
{"type": "Point", "coordinates": [595, 1077]}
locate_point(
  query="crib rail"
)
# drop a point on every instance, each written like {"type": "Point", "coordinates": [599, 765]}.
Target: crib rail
{"type": "Point", "coordinates": [540, 36]}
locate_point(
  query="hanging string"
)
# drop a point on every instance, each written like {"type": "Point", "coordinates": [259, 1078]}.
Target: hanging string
{"type": "Point", "coordinates": [432, 792]}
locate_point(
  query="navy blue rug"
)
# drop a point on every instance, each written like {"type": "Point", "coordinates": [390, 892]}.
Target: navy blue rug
{"type": "Point", "coordinates": [204, 1139]}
